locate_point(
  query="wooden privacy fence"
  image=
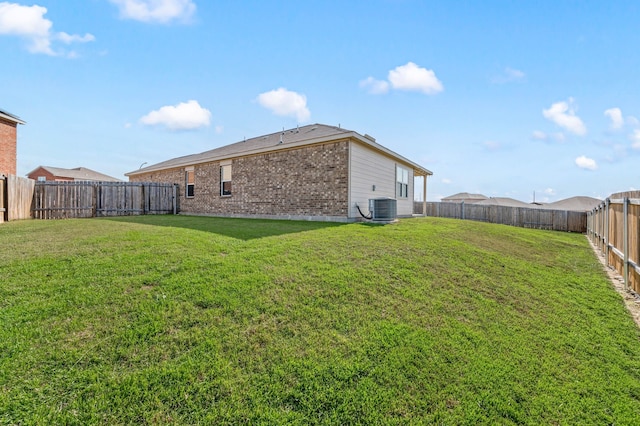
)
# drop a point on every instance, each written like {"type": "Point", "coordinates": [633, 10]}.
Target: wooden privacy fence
{"type": "Point", "coordinates": [62, 200]}
{"type": "Point", "coordinates": [614, 227]}
{"type": "Point", "coordinates": [16, 194]}
{"type": "Point", "coordinates": [537, 218]}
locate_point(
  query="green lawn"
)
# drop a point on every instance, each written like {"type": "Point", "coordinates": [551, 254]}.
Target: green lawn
{"type": "Point", "coordinates": [187, 320]}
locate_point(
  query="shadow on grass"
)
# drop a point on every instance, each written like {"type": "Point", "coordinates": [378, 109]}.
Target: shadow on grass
{"type": "Point", "coordinates": [240, 228]}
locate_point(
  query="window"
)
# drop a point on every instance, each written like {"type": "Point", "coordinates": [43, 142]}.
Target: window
{"type": "Point", "coordinates": [42, 178]}
{"type": "Point", "coordinates": [402, 182]}
{"type": "Point", "coordinates": [225, 179]}
{"type": "Point", "coordinates": [189, 176]}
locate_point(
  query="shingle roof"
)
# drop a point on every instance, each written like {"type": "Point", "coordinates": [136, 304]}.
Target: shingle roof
{"type": "Point", "coordinates": [78, 173]}
{"type": "Point", "coordinates": [506, 201]}
{"type": "Point", "coordinates": [465, 196]}
{"type": "Point", "coordinates": [8, 116]}
{"type": "Point", "coordinates": [299, 136]}
{"type": "Point", "coordinates": [580, 204]}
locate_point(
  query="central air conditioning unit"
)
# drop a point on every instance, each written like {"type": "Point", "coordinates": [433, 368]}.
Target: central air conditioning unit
{"type": "Point", "coordinates": [383, 209]}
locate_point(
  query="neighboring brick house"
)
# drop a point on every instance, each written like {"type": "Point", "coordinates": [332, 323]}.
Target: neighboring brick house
{"type": "Point", "coordinates": [58, 174]}
{"type": "Point", "coordinates": [8, 142]}
{"type": "Point", "coordinates": [315, 172]}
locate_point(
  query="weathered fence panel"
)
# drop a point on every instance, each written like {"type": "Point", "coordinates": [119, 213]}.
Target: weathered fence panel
{"type": "Point", "coordinates": [614, 227]}
{"type": "Point", "coordinates": [537, 218]}
{"type": "Point", "coordinates": [16, 198]}
{"type": "Point", "coordinates": [62, 200]}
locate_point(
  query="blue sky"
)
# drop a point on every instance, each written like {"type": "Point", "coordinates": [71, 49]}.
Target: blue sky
{"type": "Point", "coordinates": [502, 98]}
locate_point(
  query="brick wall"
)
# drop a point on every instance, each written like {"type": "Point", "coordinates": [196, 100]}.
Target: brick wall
{"type": "Point", "coordinates": [47, 175]}
{"type": "Point", "coordinates": [8, 141]}
{"type": "Point", "coordinates": [308, 181]}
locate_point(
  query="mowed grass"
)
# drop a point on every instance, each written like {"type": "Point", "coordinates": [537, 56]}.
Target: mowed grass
{"type": "Point", "coordinates": [193, 320]}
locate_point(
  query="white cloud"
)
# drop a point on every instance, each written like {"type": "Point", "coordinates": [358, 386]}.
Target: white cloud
{"type": "Point", "coordinates": [633, 121]}
{"type": "Point", "coordinates": [564, 116]}
{"type": "Point", "coordinates": [219, 129]}
{"type": "Point", "coordinates": [184, 116]}
{"type": "Point", "coordinates": [285, 103]}
{"type": "Point", "coordinates": [161, 11]}
{"type": "Point", "coordinates": [586, 163]}
{"type": "Point", "coordinates": [539, 135]}
{"type": "Point", "coordinates": [514, 74]}
{"type": "Point", "coordinates": [615, 114]}
{"type": "Point", "coordinates": [74, 38]}
{"type": "Point", "coordinates": [375, 87]}
{"type": "Point", "coordinates": [509, 75]}
{"type": "Point", "coordinates": [550, 191]}
{"type": "Point", "coordinates": [492, 145]}
{"type": "Point", "coordinates": [635, 139]}
{"type": "Point", "coordinates": [29, 22]}
{"type": "Point", "coordinates": [446, 181]}
{"type": "Point", "coordinates": [411, 77]}
{"type": "Point", "coordinates": [559, 137]}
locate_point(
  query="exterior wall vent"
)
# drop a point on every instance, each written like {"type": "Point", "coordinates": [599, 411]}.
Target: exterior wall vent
{"type": "Point", "coordinates": [383, 209]}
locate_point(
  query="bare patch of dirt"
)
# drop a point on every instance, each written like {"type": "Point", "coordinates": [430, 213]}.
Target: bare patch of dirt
{"type": "Point", "coordinates": [631, 299]}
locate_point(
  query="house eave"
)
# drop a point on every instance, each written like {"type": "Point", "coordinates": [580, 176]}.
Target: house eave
{"type": "Point", "coordinates": [10, 117]}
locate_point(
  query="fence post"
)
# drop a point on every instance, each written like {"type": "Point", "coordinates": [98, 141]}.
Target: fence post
{"type": "Point", "coordinates": [4, 205]}
{"type": "Point", "coordinates": [625, 245]}
{"type": "Point", "coordinates": [144, 200]}
{"type": "Point", "coordinates": [94, 201]}
{"type": "Point", "coordinates": [462, 210]}
{"type": "Point", "coordinates": [175, 199]}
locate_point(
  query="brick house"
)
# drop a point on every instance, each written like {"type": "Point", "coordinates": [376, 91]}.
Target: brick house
{"type": "Point", "coordinates": [314, 172]}
{"type": "Point", "coordinates": [78, 174]}
{"type": "Point", "coordinates": [8, 142]}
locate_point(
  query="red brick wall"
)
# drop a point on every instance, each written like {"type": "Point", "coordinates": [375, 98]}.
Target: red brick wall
{"type": "Point", "coordinates": [310, 181]}
{"type": "Point", "coordinates": [8, 142]}
{"type": "Point", "coordinates": [48, 176]}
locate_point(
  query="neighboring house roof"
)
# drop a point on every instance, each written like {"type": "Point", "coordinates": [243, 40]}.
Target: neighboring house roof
{"type": "Point", "coordinates": [580, 204]}
{"type": "Point", "coordinates": [8, 116]}
{"type": "Point", "coordinates": [286, 139]}
{"type": "Point", "coordinates": [79, 173]}
{"type": "Point", "coordinates": [505, 201]}
{"type": "Point", "coordinates": [464, 196]}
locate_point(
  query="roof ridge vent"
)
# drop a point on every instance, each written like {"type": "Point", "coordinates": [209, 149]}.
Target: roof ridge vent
{"type": "Point", "coordinates": [371, 138]}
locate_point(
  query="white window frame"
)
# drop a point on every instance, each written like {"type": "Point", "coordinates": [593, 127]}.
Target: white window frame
{"type": "Point", "coordinates": [225, 179]}
{"type": "Point", "coordinates": [189, 171]}
{"type": "Point", "coordinates": [402, 182]}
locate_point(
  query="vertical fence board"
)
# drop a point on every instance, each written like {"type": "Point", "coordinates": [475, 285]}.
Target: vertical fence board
{"type": "Point", "coordinates": [19, 197]}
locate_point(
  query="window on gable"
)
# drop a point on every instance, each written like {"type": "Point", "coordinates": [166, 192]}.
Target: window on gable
{"type": "Point", "coordinates": [225, 179]}
{"type": "Point", "coordinates": [190, 180]}
{"type": "Point", "coordinates": [402, 182]}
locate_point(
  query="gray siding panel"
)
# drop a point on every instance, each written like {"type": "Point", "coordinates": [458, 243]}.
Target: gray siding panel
{"type": "Point", "coordinates": [369, 168]}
